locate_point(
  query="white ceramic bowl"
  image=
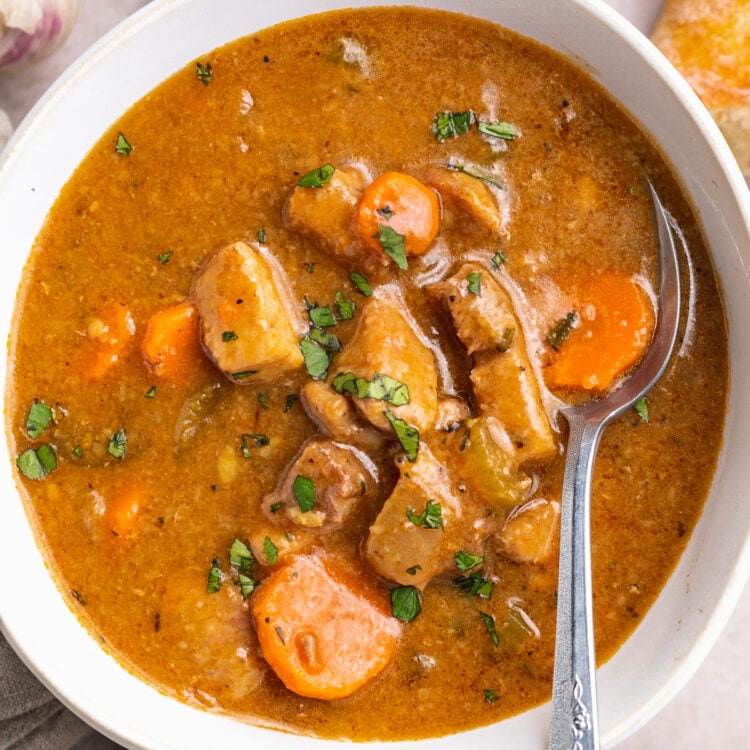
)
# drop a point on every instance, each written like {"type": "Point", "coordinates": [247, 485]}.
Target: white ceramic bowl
{"type": "Point", "coordinates": [689, 614]}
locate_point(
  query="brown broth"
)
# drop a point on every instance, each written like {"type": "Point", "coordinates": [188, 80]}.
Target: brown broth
{"type": "Point", "coordinates": [203, 173]}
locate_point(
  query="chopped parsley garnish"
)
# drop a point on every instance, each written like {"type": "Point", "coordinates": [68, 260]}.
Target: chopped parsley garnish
{"type": "Point", "coordinates": [317, 359]}
{"type": "Point", "coordinates": [261, 236]}
{"type": "Point", "coordinates": [36, 463]}
{"type": "Point", "coordinates": [641, 408]}
{"type": "Point", "coordinates": [503, 130]}
{"type": "Point", "coordinates": [310, 267]}
{"type": "Point", "coordinates": [393, 245]}
{"type": "Point", "coordinates": [386, 212]}
{"type": "Point", "coordinates": [561, 330]}
{"type": "Point", "coordinates": [78, 451]}
{"type": "Point", "coordinates": [318, 177]}
{"type": "Point", "coordinates": [326, 339]}
{"type": "Point", "coordinates": [490, 696]}
{"type": "Point", "coordinates": [380, 388]}
{"type": "Point", "coordinates": [270, 551]}
{"type": "Point", "coordinates": [431, 517]}
{"type": "Point", "coordinates": [38, 419]}
{"type": "Point", "coordinates": [291, 400]}
{"type": "Point", "coordinates": [204, 73]}
{"type": "Point", "coordinates": [465, 561]}
{"type": "Point", "coordinates": [246, 583]}
{"type": "Point", "coordinates": [413, 570]}
{"type": "Point", "coordinates": [407, 435]}
{"type": "Point", "coordinates": [164, 257]}
{"type": "Point", "coordinates": [489, 623]}
{"type": "Point", "coordinates": [228, 336]}
{"type": "Point", "coordinates": [405, 603]}
{"type": "Point", "coordinates": [263, 399]}
{"type": "Point", "coordinates": [497, 260]}
{"type": "Point", "coordinates": [250, 441]}
{"type": "Point", "coordinates": [241, 556]}
{"type": "Point", "coordinates": [344, 306]}
{"type": "Point", "coordinates": [475, 584]}
{"type": "Point", "coordinates": [118, 444]}
{"type": "Point", "coordinates": [321, 316]}
{"type": "Point", "coordinates": [304, 492]}
{"type": "Point", "coordinates": [122, 146]}
{"type": "Point", "coordinates": [214, 576]}
{"type": "Point", "coordinates": [361, 282]}
{"type": "Point", "coordinates": [476, 174]}
{"type": "Point", "coordinates": [151, 392]}
{"type": "Point", "coordinates": [244, 374]}
{"type": "Point", "coordinates": [452, 124]}
{"type": "Point", "coordinates": [474, 284]}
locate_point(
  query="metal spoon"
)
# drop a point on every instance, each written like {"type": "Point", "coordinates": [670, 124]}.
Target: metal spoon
{"type": "Point", "coordinates": [574, 710]}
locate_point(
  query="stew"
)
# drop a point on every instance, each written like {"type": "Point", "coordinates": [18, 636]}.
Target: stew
{"type": "Point", "coordinates": [288, 357]}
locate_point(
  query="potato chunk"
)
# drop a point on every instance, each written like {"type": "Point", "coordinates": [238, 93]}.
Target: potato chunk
{"type": "Point", "coordinates": [385, 343]}
{"type": "Point", "coordinates": [468, 194]}
{"type": "Point", "coordinates": [422, 524]}
{"type": "Point", "coordinates": [244, 318]}
{"type": "Point", "coordinates": [326, 214]}
{"type": "Point", "coordinates": [530, 530]}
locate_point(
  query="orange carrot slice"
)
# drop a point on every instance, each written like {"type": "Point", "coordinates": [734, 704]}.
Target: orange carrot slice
{"type": "Point", "coordinates": [171, 345]}
{"type": "Point", "coordinates": [397, 202]}
{"type": "Point", "coordinates": [323, 635]}
{"type": "Point", "coordinates": [107, 336]}
{"type": "Point", "coordinates": [615, 324]}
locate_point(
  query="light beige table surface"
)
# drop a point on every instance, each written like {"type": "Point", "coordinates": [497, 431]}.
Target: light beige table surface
{"type": "Point", "coordinates": [713, 711]}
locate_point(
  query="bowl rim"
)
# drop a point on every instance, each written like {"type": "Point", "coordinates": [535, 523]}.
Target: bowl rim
{"type": "Point", "coordinates": [737, 563]}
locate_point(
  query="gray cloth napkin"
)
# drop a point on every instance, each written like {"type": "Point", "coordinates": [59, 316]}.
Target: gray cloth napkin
{"type": "Point", "coordinates": [32, 719]}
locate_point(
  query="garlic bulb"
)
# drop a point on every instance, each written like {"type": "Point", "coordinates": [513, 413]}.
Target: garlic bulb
{"type": "Point", "coordinates": [32, 29]}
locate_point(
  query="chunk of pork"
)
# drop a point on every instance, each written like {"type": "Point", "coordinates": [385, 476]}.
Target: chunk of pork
{"type": "Point", "coordinates": [316, 493]}
{"type": "Point", "coordinates": [423, 524]}
{"type": "Point", "coordinates": [244, 316]}
{"type": "Point", "coordinates": [385, 343]}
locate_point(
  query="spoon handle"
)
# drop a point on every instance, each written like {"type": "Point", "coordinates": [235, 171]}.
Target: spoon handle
{"type": "Point", "coordinates": [574, 712]}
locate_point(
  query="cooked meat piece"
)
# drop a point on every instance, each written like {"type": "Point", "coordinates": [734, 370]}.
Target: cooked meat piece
{"type": "Point", "coordinates": [335, 415]}
{"type": "Point", "coordinates": [467, 194]}
{"type": "Point", "coordinates": [245, 321]}
{"type": "Point", "coordinates": [504, 381]}
{"type": "Point", "coordinates": [316, 493]}
{"type": "Point", "coordinates": [385, 344]}
{"type": "Point", "coordinates": [506, 388]}
{"type": "Point", "coordinates": [530, 531]}
{"type": "Point", "coordinates": [423, 524]}
{"type": "Point", "coordinates": [325, 214]}
{"type": "Point", "coordinates": [451, 412]}
{"type": "Point", "coordinates": [481, 309]}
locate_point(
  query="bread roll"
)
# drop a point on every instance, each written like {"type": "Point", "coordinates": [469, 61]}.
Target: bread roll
{"type": "Point", "coordinates": [708, 41]}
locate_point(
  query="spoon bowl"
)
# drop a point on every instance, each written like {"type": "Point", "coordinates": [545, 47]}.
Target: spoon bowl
{"type": "Point", "coordinates": [574, 710]}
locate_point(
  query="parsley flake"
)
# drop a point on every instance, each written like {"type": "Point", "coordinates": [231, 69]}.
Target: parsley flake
{"type": "Point", "coordinates": [344, 306]}
{"type": "Point", "coordinates": [380, 388]}
{"type": "Point", "coordinates": [475, 584]}
{"type": "Point", "coordinates": [405, 603]}
{"type": "Point", "coordinates": [270, 550]}
{"type": "Point", "coordinates": [250, 441]}
{"type": "Point", "coordinates": [214, 577]}
{"type": "Point", "coordinates": [38, 419]}
{"type": "Point", "coordinates": [641, 408]}
{"type": "Point", "coordinates": [37, 463]}
{"type": "Point", "coordinates": [118, 444]}
{"type": "Point", "coordinates": [503, 130]}
{"type": "Point", "coordinates": [497, 260]}
{"type": "Point", "coordinates": [204, 72]}
{"type": "Point", "coordinates": [304, 493]}
{"type": "Point", "coordinates": [317, 359]}
{"type": "Point", "coordinates": [489, 623]}
{"type": "Point", "coordinates": [164, 257]}
{"type": "Point", "coordinates": [465, 561]}
{"type": "Point", "coordinates": [122, 146]}
{"type": "Point", "coordinates": [318, 177]}
{"type": "Point", "coordinates": [407, 435]}
{"type": "Point", "coordinates": [561, 330]}
{"type": "Point", "coordinates": [361, 282]}
{"type": "Point", "coordinates": [452, 124]}
{"type": "Point", "coordinates": [431, 517]}
{"type": "Point", "coordinates": [393, 245]}
{"type": "Point", "coordinates": [291, 400]}
{"type": "Point", "coordinates": [474, 284]}
{"type": "Point", "coordinates": [151, 392]}
{"type": "Point", "coordinates": [228, 336]}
